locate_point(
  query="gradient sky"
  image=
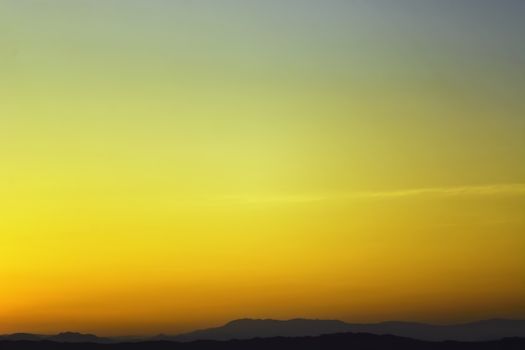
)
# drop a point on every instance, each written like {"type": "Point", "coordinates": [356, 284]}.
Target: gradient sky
{"type": "Point", "coordinates": [167, 165]}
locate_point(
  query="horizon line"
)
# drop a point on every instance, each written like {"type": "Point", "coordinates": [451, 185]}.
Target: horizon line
{"type": "Point", "coordinates": [225, 323]}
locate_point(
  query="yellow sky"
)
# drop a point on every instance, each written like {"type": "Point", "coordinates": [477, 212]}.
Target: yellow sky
{"type": "Point", "coordinates": [167, 165]}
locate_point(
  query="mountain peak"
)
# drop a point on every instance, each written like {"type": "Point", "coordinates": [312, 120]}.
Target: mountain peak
{"type": "Point", "coordinates": [248, 328]}
{"type": "Point", "coordinates": [242, 321]}
{"type": "Point", "coordinates": [75, 337]}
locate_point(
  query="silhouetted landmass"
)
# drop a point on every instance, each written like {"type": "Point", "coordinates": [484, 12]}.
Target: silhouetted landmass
{"type": "Point", "coordinates": [249, 328]}
{"type": "Point", "coordinates": [66, 337]}
{"type": "Point", "coordinates": [70, 337]}
{"type": "Point", "coordinates": [326, 342]}
{"type": "Point", "coordinates": [22, 336]}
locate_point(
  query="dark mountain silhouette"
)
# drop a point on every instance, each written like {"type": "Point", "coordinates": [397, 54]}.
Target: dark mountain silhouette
{"type": "Point", "coordinates": [326, 342]}
{"type": "Point", "coordinates": [66, 337]}
{"type": "Point", "coordinates": [22, 336]}
{"type": "Point", "coordinates": [71, 337]}
{"type": "Point", "coordinates": [249, 328]}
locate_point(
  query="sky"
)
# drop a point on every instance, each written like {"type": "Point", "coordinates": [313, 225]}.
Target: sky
{"type": "Point", "coordinates": [171, 165]}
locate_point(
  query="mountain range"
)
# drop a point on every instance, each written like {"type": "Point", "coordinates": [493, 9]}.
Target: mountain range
{"type": "Point", "coordinates": [252, 328]}
{"type": "Point", "coordinates": [266, 328]}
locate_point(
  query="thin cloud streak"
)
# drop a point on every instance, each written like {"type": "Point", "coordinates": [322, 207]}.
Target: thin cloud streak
{"type": "Point", "coordinates": [460, 191]}
{"type": "Point", "coordinates": [487, 190]}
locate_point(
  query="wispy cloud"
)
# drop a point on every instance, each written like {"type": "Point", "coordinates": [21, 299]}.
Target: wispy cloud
{"type": "Point", "coordinates": [517, 189]}
{"type": "Point", "coordinates": [486, 190]}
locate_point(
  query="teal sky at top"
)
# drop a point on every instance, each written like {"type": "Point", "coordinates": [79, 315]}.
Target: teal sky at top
{"type": "Point", "coordinates": [291, 32]}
